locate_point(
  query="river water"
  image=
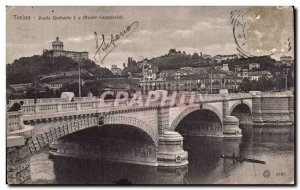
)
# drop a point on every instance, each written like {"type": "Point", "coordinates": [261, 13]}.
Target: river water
{"type": "Point", "coordinates": [205, 165]}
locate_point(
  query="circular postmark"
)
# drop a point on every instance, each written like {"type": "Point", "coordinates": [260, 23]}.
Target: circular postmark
{"type": "Point", "coordinates": [267, 173]}
{"type": "Point", "coordinates": [262, 31]}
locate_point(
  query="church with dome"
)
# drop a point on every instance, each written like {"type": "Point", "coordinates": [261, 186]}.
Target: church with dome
{"type": "Point", "coordinates": [58, 50]}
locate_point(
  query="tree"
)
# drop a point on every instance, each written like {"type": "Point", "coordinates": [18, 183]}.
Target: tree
{"type": "Point", "coordinates": [95, 87]}
{"type": "Point", "coordinates": [70, 87]}
{"type": "Point", "coordinates": [279, 82]}
{"type": "Point", "coordinates": [172, 51]}
{"type": "Point", "coordinates": [195, 56]}
{"type": "Point", "coordinates": [245, 85]}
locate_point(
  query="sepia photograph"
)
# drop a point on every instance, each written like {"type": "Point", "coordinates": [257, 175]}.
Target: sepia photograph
{"type": "Point", "coordinates": [150, 95]}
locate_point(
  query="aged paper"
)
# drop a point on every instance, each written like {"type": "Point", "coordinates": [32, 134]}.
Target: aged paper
{"type": "Point", "coordinates": [150, 95]}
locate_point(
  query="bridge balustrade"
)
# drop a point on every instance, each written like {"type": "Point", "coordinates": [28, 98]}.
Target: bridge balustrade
{"type": "Point", "coordinates": [13, 121]}
{"type": "Point", "coordinates": [25, 101]}
{"type": "Point", "coordinates": [92, 103]}
{"type": "Point", "coordinates": [82, 99]}
{"type": "Point", "coordinates": [239, 95]}
{"type": "Point", "coordinates": [276, 94]}
{"type": "Point", "coordinates": [38, 101]}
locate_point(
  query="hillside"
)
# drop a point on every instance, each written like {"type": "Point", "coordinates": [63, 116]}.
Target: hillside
{"type": "Point", "coordinates": [176, 59]}
{"type": "Point", "coordinates": [28, 69]}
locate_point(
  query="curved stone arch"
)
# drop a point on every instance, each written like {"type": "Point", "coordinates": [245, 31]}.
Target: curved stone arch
{"type": "Point", "coordinates": [40, 141]}
{"type": "Point", "coordinates": [189, 110]}
{"type": "Point", "coordinates": [123, 120]}
{"type": "Point", "coordinates": [240, 103]}
{"type": "Point", "coordinates": [214, 110]}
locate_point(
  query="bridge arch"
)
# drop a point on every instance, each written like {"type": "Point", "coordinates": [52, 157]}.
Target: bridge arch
{"type": "Point", "coordinates": [192, 109]}
{"type": "Point", "coordinates": [240, 103]}
{"type": "Point", "coordinates": [123, 120]}
{"type": "Point", "coordinates": [242, 111]}
{"type": "Point", "coordinates": [111, 142]}
{"type": "Point", "coordinates": [43, 140]}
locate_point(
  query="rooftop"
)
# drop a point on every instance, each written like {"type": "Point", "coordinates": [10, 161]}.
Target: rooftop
{"type": "Point", "coordinates": [57, 41]}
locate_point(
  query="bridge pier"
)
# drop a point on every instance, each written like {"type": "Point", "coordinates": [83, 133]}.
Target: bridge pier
{"type": "Point", "coordinates": [170, 143]}
{"type": "Point", "coordinates": [17, 150]}
{"type": "Point", "coordinates": [170, 150]}
{"type": "Point", "coordinates": [256, 108]}
{"type": "Point", "coordinates": [231, 127]}
{"type": "Point", "coordinates": [230, 123]}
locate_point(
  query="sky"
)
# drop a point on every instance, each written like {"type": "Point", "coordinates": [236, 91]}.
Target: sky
{"type": "Point", "coordinates": [190, 29]}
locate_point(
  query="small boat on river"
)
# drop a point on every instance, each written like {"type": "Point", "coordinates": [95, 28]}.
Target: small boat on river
{"type": "Point", "coordinates": [242, 159]}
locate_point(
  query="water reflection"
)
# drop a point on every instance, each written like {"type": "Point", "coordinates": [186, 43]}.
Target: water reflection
{"type": "Point", "coordinates": [205, 165]}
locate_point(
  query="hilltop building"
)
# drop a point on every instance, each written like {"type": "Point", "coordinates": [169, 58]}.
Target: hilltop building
{"type": "Point", "coordinates": [58, 50]}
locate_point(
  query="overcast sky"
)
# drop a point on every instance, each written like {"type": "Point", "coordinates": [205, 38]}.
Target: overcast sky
{"type": "Point", "coordinates": [190, 29]}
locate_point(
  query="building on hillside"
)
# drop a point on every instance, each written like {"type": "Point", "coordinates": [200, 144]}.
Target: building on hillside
{"type": "Point", "coordinates": [254, 66]}
{"type": "Point", "coordinates": [116, 70]}
{"type": "Point", "coordinates": [256, 75]}
{"type": "Point", "coordinates": [166, 73]}
{"type": "Point", "coordinates": [225, 67]}
{"type": "Point", "coordinates": [70, 73]}
{"type": "Point", "coordinates": [21, 87]}
{"type": "Point", "coordinates": [145, 63]}
{"type": "Point", "coordinates": [287, 60]}
{"type": "Point", "coordinates": [196, 82]}
{"type": "Point", "coordinates": [59, 82]}
{"type": "Point", "coordinates": [151, 72]}
{"type": "Point", "coordinates": [220, 58]}
{"type": "Point", "coordinates": [58, 50]}
{"type": "Point", "coordinates": [244, 73]}
{"type": "Point", "coordinates": [216, 73]}
{"type": "Point", "coordinates": [24, 88]}
{"type": "Point", "coordinates": [238, 68]}
{"type": "Point", "coordinates": [184, 71]}
{"type": "Point", "coordinates": [54, 85]}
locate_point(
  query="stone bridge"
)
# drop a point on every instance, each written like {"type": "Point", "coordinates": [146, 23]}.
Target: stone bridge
{"type": "Point", "coordinates": [155, 130]}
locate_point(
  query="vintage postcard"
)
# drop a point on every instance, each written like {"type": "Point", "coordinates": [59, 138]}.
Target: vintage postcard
{"type": "Point", "coordinates": [150, 95]}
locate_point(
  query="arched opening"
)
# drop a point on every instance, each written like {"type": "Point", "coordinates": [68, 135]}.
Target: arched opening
{"type": "Point", "coordinates": [200, 129]}
{"type": "Point", "coordinates": [112, 142]}
{"type": "Point", "coordinates": [108, 153]}
{"type": "Point", "coordinates": [243, 113]}
{"type": "Point", "coordinates": [200, 123]}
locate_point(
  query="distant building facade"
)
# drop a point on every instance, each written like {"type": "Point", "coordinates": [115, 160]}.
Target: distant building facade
{"type": "Point", "coordinates": [66, 74]}
{"type": "Point", "coordinates": [54, 85]}
{"type": "Point", "coordinates": [116, 70]}
{"type": "Point", "coordinates": [286, 60]}
{"type": "Point", "coordinates": [193, 79]}
{"type": "Point", "coordinates": [256, 75]}
{"type": "Point", "coordinates": [244, 73]}
{"type": "Point", "coordinates": [225, 67]}
{"type": "Point", "coordinates": [220, 58]}
{"type": "Point", "coordinates": [21, 87]}
{"type": "Point", "coordinates": [254, 66]}
{"type": "Point", "coordinates": [166, 73]}
{"type": "Point", "coordinates": [151, 72]}
{"type": "Point", "coordinates": [58, 50]}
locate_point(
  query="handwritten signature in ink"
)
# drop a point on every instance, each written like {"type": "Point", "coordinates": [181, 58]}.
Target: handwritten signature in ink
{"type": "Point", "coordinates": [103, 48]}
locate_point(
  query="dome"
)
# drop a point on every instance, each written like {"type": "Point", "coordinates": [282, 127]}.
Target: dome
{"type": "Point", "coordinates": [57, 42]}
